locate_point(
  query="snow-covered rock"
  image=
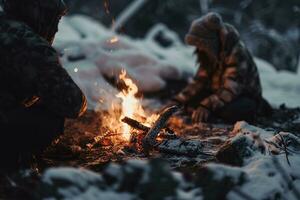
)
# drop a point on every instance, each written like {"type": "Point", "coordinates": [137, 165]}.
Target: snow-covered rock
{"type": "Point", "coordinates": [181, 147]}
{"type": "Point", "coordinates": [133, 180]}
{"type": "Point", "coordinates": [251, 142]}
{"type": "Point", "coordinates": [264, 168]}
{"type": "Point", "coordinates": [216, 180]}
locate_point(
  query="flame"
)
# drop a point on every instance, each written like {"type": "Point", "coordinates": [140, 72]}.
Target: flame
{"type": "Point", "coordinates": [128, 106]}
{"type": "Point", "coordinates": [131, 106]}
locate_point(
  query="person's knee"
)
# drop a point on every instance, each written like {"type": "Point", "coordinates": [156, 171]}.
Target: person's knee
{"type": "Point", "coordinates": [241, 109]}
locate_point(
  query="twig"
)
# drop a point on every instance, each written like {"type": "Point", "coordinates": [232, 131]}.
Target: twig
{"type": "Point", "coordinates": [279, 147]}
{"type": "Point", "coordinates": [285, 149]}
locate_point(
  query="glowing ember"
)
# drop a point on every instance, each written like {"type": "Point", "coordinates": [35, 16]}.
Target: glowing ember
{"type": "Point", "coordinates": [131, 106]}
{"type": "Point", "coordinates": [114, 39]}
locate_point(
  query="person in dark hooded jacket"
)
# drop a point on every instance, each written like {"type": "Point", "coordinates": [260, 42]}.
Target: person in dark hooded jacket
{"type": "Point", "coordinates": [36, 92]}
{"type": "Point", "coordinates": [227, 83]}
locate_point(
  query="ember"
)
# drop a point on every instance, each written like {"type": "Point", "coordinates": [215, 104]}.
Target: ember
{"type": "Point", "coordinates": [114, 39]}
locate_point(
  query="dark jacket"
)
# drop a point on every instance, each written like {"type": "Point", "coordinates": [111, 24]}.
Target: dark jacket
{"type": "Point", "coordinates": [30, 73]}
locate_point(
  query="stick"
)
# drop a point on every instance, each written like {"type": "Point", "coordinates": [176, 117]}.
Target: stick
{"type": "Point", "coordinates": [149, 140]}
{"type": "Point", "coordinates": [285, 149]}
{"type": "Point", "coordinates": [135, 124]}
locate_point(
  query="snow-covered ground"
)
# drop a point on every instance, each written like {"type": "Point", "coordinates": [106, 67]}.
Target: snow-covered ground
{"type": "Point", "coordinates": [264, 173]}
{"type": "Point", "coordinates": [149, 64]}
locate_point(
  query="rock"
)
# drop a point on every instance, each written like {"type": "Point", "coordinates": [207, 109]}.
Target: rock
{"type": "Point", "coordinates": [241, 147]}
{"type": "Point", "coordinates": [150, 180]}
{"type": "Point", "coordinates": [181, 147]}
{"type": "Point", "coordinates": [216, 181]}
{"type": "Point", "coordinates": [60, 183]}
{"type": "Point", "coordinates": [248, 141]}
{"type": "Point", "coordinates": [133, 173]}
{"type": "Point", "coordinates": [159, 182]}
{"type": "Point", "coordinates": [234, 152]}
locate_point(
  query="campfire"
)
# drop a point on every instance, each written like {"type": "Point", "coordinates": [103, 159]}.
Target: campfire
{"type": "Point", "coordinates": [132, 107]}
{"type": "Point", "coordinates": [128, 123]}
{"type": "Point", "coordinates": [127, 126]}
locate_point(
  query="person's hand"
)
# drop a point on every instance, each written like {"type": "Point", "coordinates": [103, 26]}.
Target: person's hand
{"type": "Point", "coordinates": [201, 114]}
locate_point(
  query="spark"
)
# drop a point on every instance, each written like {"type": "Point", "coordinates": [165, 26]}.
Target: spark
{"type": "Point", "coordinates": [114, 39]}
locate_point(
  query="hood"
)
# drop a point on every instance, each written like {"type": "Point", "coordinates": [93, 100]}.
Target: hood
{"type": "Point", "coordinates": [204, 34]}
{"type": "Point", "coordinates": [211, 35]}
{"type": "Point", "coordinates": [41, 15]}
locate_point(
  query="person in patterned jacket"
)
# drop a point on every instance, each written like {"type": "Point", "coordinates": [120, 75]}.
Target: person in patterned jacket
{"type": "Point", "coordinates": [36, 92]}
{"type": "Point", "coordinates": [227, 83]}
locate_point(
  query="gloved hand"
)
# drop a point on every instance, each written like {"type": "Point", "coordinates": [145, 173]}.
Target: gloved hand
{"type": "Point", "coordinates": [201, 114]}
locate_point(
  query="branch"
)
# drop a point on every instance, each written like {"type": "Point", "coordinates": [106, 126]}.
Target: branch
{"type": "Point", "coordinates": [149, 140]}
{"type": "Point", "coordinates": [285, 149]}
{"type": "Point", "coordinates": [135, 124]}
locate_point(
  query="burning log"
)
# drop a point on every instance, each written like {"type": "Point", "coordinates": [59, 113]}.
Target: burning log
{"type": "Point", "coordinates": [149, 140]}
{"type": "Point", "coordinates": [135, 124]}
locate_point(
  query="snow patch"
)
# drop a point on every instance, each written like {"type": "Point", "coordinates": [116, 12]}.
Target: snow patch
{"type": "Point", "coordinates": [87, 46]}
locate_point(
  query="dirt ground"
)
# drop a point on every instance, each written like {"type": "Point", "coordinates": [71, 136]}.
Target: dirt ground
{"type": "Point", "coordinates": [83, 144]}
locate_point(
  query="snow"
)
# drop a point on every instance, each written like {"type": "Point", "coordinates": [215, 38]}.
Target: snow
{"type": "Point", "coordinates": [279, 87]}
{"type": "Point", "coordinates": [262, 176]}
{"type": "Point", "coordinates": [220, 171]}
{"type": "Point", "coordinates": [181, 147]}
{"type": "Point", "coordinates": [146, 62]}
{"type": "Point", "coordinates": [79, 184]}
{"type": "Point", "coordinates": [118, 182]}
{"type": "Point", "coordinates": [82, 178]}
{"type": "Point", "coordinates": [95, 194]}
{"type": "Point", "coordinates": [150, 66]}
{"type": "Point", "coordinates": [243, 127]}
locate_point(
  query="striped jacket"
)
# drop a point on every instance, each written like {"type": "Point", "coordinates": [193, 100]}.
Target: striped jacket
{"type": "Point", "coordinates": [234, 74]}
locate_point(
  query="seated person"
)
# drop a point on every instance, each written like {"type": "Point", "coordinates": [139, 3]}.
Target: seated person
{"type": "Point", "coordinates": [227, 83]}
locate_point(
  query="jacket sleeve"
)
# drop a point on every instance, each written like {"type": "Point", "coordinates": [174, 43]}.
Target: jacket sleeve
{"type": "Point", "coordinates": [232, 85]}
{"type": "Point", "coordinates": [199, 82]}
{"type": "Point", "coordinates": [55, 88]}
